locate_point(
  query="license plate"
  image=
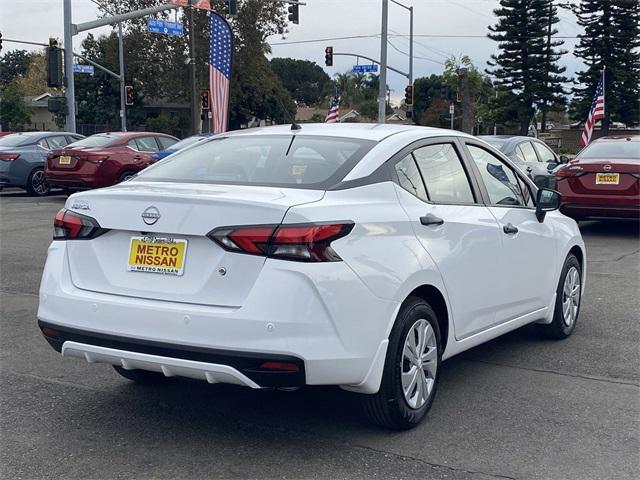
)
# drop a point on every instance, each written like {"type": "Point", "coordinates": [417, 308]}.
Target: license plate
{"type": "Point", "coordinates": [157, 255]}
{"type": "Point", "coordinates": [64, 160]}
{"type": "Point", "coordinates": [607, 178]}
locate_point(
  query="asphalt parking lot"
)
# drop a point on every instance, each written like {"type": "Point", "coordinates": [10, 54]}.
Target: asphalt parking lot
{"type": "Point", "coordinates": [517, 407]}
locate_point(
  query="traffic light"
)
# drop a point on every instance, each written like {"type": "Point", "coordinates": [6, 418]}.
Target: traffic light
{"type": "Point", "coordinates": [294, 13]}
{"type": "Point", "coordinates": [54, 64]}
{"type": "Point", "coordinates": [232, 7]}
{"type": "Point", "coordinates": [328, 56]}
{"type": "Point", "coordinates": [128, 95]}
{"type": "Point", "coordinates": [0, 41]}
{"type": "Point", "coordinates": [57, 104]}
{"type": "Point", "coordinates": [408, 95]}
{"type": "Point", "coordinates": [204, 99]}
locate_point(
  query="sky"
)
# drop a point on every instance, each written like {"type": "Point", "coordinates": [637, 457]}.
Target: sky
{"type": "Point", "coordinates": [37, 20]}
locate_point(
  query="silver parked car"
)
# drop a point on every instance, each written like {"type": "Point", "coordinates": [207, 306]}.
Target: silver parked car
{"type": "Point", "coordinates": [533, 156]}
{"type": "Point", "coordinates": [23, 156]}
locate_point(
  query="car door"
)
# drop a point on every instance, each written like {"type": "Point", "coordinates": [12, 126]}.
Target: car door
{"type": "Point", "coordinates": [144, 147]}
{"type": "Point", "coordinates": [527, 251]}
{"type": "Point", "coordinates": [454, 227]}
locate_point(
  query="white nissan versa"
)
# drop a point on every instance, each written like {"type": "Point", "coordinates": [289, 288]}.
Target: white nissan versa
{"type": "Point", "coordinates": [352, 255]}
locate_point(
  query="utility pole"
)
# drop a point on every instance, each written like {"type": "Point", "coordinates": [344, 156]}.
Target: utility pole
{"type": "Point", "coordinates": [123, 107]}
{"type": "Point", "coordinates": [195, 117]}
{"type": "Point", "coordinates": [382, 88]}
{"type": "Point", "coordinates": [69, 85]}
{"type": "Point", "coordinates": [544, 105]}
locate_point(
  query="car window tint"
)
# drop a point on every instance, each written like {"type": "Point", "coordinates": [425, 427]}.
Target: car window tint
{"type": "Point", "coordinates": [544, 153]}
{"type": "Point", "coordinates": [133, 144]}
{"type": "Point", "coordinates": [499, 179]}
{"type": "Point", "coordinates": [57, 141]}
{"type": "Point", "coordinates": [443, 174]}
{"type": "Point", "coordinates": [43, 143]}
{"type": "Point", "coordinates": [166, 142]}
{"type": "Point", "coordinates": [528, 154]}
{"type": "Point", "coordinates": [409, 177]}
{"type": "Point", "coordinates": [147, 144]}
{"type": "Point", "coordinates": [295, 161]}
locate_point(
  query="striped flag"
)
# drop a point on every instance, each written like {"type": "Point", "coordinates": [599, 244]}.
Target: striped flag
{"type": "Point", "coordinates": [596, 113]}
{"type": "Point", "coordinates": [220, 54]}
{"type": "Point", "coordinates": [334, 111]}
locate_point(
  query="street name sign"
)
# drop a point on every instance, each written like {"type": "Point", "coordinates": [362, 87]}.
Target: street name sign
{"type": "Point", "coordinates": [365, 68]}
{"type": "Point", "coordinates": [156, 25]}
{"type": "Point", "coordinates": [77, 68]}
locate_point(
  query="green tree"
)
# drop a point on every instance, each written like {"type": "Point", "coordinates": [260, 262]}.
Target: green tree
{"type": "Point", "coordinates": [611, 39]}
{"type": "Point", "coordinates": [525, 65]}
{"type": "Point", "coordinates": [426, 91]}
{"type": "Point", "coordinates": [14, 64]}
{"type": "Point", "coordinates": [14, 113]}
{"type": "Point", "coordinates": [304, 80]}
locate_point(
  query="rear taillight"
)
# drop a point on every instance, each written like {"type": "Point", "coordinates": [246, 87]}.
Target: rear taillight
{"type": "Point", "coordinates": [570, 171]}
{"type": "Point", "coordinates": [96, 159]}
{"type": "Point", "coordinates": [302, 243]}
{"type": "Point", "coordinates": [8, 157]}
{"type": "Point", "coordinates": [70, 225]}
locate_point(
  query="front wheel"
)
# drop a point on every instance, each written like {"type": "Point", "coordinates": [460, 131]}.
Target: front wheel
{"type": "Point", "coordinates": [568, 298]}
{"type": "Point", "coordinates": [37, 183]}
{"type": "Point", "coordinates": [126, 176]}
{"type": "Point", "coordinates": [410, 377]}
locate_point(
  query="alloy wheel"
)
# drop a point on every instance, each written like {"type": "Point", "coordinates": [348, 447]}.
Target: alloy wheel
{"type": "Point", "coordinates": [571, 296]}
{"type": "Point", "coordinates": [39, 183]}
{"type": "Point", "coordinates": [419, 364]}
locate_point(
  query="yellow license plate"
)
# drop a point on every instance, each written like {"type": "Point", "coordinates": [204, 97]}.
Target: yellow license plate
{"type": "Point", "coordinates": [607, 178]}
{"type": "Point", "coordinates": [64, 160]}
{"type": "Point", "coordinates": [157, 255]}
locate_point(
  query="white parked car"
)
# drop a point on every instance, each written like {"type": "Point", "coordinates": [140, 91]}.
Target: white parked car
{"type": "Point", "coordinates": [352, 255]}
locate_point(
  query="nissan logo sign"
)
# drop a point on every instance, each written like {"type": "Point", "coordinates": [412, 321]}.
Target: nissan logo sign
{"type": "Point", "coordinates": [151, 215]}
{"type": "Point", "coordinates": [606, 167]}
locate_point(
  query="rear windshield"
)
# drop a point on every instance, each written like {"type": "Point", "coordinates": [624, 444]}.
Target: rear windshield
{"type": "Point", "coordinates": [286, 161]}
{"type": "Point", "coordinates": [16, 140]}
{"type": "Point", "coordinates": [612, 149]}
{"type": "Point", "coordinates": [94, 141]}
{"type": "Point", "coordinates": [186, 142]}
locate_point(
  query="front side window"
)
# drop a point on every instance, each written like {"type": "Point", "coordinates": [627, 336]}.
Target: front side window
{"type": "Point", "coordinates": [147, 144]}
{"type": "Point", "coordinates": [166, 142]}
{"type": "Point", "coordinates": [289, 161]}
{"type": "Point", "coordinates": [443, 174]}
{"type": "Point", "coordinates": [57, 142]}
{"type": "Point", "coordinates": [499, 179]}
{"type": "Point", "coordinates": [409, 177]}
{"type": "Point", "coordinates": [544, 153]}
{"type": "Point", "coordinates": [526, 152]}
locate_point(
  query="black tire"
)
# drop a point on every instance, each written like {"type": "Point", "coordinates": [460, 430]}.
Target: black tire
{"type": "Point", "coordinates": [559, 329]}
{"type": "Point", "coordinates": [36, 183]}
{"type": "Point", "coordinates": [125, 176]}
{"type": "Point", "coordinates": [141, 376]}
{"type": "Point", "coordinates": [389, 408]}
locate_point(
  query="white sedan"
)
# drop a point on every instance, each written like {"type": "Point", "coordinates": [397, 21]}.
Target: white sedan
{"type": "Point", "coordinates": [353, 255]}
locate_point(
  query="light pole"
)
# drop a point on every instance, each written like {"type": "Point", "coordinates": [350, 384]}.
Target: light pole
{"type": "Point", "coordinates": [382, 88]}
{"type": "Point", "coordinates": [123, 107]}
{"type": "Point", "coordinates": [69, 85]}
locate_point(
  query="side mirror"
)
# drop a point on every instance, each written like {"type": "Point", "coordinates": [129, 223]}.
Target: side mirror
{"type": "Point", "coordinates": [564, 159]}
{"type": "Point", "coordinates": [547, 200]}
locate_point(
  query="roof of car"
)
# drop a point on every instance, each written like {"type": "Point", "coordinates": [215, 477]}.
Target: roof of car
{"type": "Point", "coordinates": [42, 134]}
{"type": "Point", "coordinates": [363, 131]}
{"type": "Point", "coordinates": [619, 138]}
{"type": "Point", "coordinates": [132, 134]}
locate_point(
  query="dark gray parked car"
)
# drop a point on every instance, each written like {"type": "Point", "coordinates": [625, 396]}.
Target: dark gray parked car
{"type": "Point", "coordinates": [23, 156]}
{"type": "Point", "coordinates": [533, 156]}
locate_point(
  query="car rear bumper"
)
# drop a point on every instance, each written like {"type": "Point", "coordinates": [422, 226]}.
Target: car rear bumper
{"type": "Point", "coordinates": [318, 316]}
{"type": "Point", "coordinates": [67, 182]}
{"type": "Point", "coordinates": [581, 210]}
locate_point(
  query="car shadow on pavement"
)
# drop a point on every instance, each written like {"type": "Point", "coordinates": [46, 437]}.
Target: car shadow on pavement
{"type": "Point", "coordinates": [619, 228]}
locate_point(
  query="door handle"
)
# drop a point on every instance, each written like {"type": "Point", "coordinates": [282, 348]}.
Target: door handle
{"type": "Point", "coordinates": [431, 219]}
{"type": "Point", "coordinates": [529, 169]}
{"type": "Point", "coordinates": [510, 228]}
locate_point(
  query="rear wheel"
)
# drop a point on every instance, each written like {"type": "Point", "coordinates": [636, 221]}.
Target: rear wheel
{"type": "Point", "coordinates": [37, 183]}
{"type": "Point", "coordinates": [141, 376]}
{"type": "Point", "coordinates": [568, 298]}
{"type": "Point", "coordinates": [410, 377]}
{"type": "Point", "coordinates": [124, 176]}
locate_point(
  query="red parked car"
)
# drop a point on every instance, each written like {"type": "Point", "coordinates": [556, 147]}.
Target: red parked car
{"type": "Point", "coordinates": [603, 180]}
{"type": "Point", "coordinates": [103, 159]}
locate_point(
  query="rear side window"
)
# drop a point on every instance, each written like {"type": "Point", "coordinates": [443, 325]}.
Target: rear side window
{"type": "Point", "coordinates": [443, 174]}
{"type": "Point", "coordinates": [289, 161]}
{"type": "Point", "coordinates": [500, 181]}
{"type": "Point", "coordinates": [147, 144]}
{"type": "Point", "coordinates": [57, 141]}
{"type": "Point", "coordinates": [409, 177]}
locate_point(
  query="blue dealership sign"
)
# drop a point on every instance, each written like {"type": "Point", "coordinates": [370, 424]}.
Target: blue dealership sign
{"type": "Point", "coordinates": [365, 68]}
{"type": "Point", "coordinates": [166, 28]}
{"type": "Point", "coordinates": [77, 68]}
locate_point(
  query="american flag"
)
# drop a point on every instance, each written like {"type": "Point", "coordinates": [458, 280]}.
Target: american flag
{"type": "Point", "coordinates": [596, 113]}
{"type": "Point", "coordinates": [334, 111]}
{"type": "Point", "coordinates": [221, 49]}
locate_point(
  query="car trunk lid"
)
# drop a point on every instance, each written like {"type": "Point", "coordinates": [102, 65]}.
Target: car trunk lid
{"type": "Point", "coordinates": [175, 214]}
{"type": "Point", "coordinates": [606, 177]}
